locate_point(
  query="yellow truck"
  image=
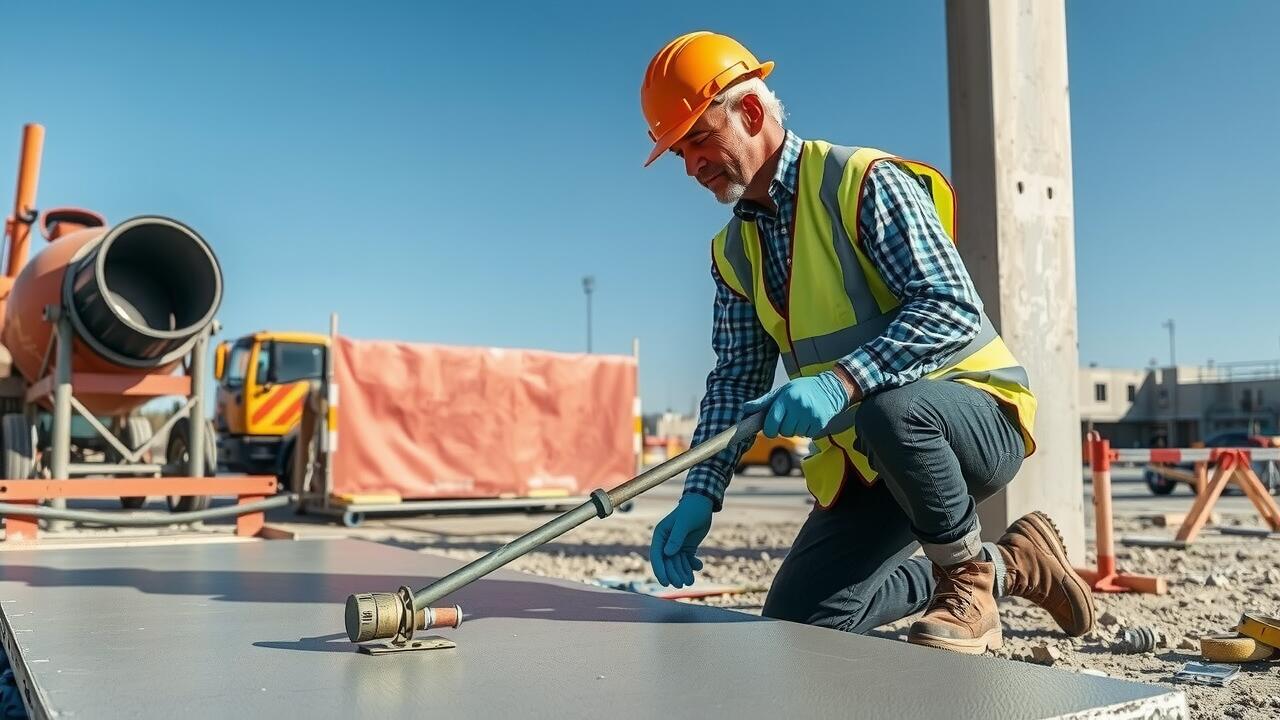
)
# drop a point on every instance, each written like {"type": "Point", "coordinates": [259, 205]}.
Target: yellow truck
{"type": "Point", "coordinates": [782, 455]}
{"type": "Point", "coordinates": [262, 381]}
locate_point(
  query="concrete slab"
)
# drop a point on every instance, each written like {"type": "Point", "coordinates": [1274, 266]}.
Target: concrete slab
{"type": "Point", "coordinates": [257, 629]}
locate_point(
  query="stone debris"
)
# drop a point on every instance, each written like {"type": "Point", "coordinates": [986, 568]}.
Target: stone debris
{"type": "Point", "coordinates": [1045, 654]}
{"type": "Point", "coordinates": [744, 550]}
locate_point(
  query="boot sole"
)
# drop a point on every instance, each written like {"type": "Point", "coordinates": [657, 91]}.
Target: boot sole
{"type": "Point", "coordinates": [991, 640]}
{"type": "Point", "coordinates": [1083, 596]}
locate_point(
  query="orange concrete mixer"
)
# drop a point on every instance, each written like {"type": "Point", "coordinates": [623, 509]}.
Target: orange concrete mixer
{"type": "Point", "coordinates": [104, 319]}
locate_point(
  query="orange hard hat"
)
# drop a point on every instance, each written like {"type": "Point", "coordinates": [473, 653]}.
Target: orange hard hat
{"type": "Point", "coordinates": [685, 76]}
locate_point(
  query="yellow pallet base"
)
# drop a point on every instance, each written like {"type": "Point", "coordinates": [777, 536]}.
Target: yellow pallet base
{"type": "Point", "coordinates": [365, 498]}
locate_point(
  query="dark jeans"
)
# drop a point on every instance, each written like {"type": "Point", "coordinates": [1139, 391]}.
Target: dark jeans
{"type": "Point", "coordinates": [939, 447]}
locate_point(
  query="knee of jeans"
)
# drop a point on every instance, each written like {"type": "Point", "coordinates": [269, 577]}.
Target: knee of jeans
{"type": "Point", "coordinates": [882, 419]}
{"type": "Point", "coordinates": [847, 616]}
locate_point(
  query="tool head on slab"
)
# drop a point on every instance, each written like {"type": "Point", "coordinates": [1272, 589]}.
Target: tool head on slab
{"type": "Point", "coordinates": [391, 616]}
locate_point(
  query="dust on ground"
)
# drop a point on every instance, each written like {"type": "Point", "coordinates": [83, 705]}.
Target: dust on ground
{"type": "Point", "coordinates": [1210, 584]}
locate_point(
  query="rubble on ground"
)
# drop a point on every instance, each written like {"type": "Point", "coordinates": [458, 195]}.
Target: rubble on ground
{"type": "Point", "coordinates": [1210, 584]}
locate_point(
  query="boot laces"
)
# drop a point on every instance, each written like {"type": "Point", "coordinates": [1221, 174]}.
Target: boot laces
{"type": "Point", "coordinates": [954, 591]}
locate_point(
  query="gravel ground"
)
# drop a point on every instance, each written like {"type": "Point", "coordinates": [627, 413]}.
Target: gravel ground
{"type": "Point", "coordinates": [1246, 576]}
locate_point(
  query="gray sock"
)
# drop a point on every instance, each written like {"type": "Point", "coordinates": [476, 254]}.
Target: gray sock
{"type": "Point", "coordinates": [993, 556]}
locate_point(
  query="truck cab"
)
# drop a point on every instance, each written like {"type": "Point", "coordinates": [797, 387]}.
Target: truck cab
{"type": "Point", "coordinates": [262, 381]}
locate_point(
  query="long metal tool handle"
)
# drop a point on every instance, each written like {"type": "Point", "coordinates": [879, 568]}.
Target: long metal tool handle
{"type": "Point", "coordinates": [597, 507]}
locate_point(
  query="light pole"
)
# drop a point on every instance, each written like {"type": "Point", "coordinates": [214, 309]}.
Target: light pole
{"type": "Point", "coordinates": [1173, 400]}
{"type": "Point", "coordinates": [588, 285]}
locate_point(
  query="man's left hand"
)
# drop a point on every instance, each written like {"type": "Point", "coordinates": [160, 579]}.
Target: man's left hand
{"type": "Point", "coordinates": [802, 407]}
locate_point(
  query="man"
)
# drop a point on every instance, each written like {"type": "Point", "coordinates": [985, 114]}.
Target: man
{"type": "Point", "coordinates": [839, 261]}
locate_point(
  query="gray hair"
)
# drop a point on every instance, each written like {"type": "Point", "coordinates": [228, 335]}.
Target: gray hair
{"type": "Point", "coordinates": [731, 98]}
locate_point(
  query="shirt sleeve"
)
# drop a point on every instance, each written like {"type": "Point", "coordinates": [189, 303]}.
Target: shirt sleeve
{"type": "Point", "coordinates": [940, 311]}
{"type": "Point", "coordinates": [746, 358]}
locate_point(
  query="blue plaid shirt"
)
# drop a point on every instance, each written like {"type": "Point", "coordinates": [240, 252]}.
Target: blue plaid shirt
{"type": "Point", "coordinates": [904, 239]}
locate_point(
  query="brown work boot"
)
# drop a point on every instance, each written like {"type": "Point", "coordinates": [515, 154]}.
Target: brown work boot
{"type": "Point", "coordinates": [1036, 568]}
{"type": "Point", "coordinates": [962, 614]}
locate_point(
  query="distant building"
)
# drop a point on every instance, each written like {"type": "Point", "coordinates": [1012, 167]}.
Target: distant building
{"type": "Point", "coordinates": [1138, 408]}
{"type": "Point", "coordinates": [670, 424]}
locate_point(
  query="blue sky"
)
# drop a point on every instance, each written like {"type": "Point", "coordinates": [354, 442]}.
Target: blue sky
{"type": "Point", "coordinates": [449, 174]}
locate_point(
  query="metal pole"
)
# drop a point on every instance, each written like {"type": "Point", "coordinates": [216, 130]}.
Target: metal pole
{"type": "Point", "coordinates": [476, 569]}
{"type": "Point", "coordinates": [24, 202]}
{"type": "Point", "coordinates": [195, 453]}
{"type": "Point", "coordinates": [60, 463]}
{"type": "Point", "coordinates": [588, 285]}
{"type": "Point", "coordinates": [639, 410]}
{"type": "Point", "coordinates": [1173, 400]}
{"type": "Point", "coordinates": [330, 444]}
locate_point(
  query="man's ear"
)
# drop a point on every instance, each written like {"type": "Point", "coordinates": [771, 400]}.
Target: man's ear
{"type": "Point", "coordinates": [752, 114]}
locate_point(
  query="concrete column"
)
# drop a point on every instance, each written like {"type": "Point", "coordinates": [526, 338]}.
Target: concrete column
{"type": "Point", "coordinates": [1011, 167]}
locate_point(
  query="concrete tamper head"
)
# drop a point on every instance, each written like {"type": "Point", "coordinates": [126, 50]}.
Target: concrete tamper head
{"type": "Point", "coordinates": [373, 616]}
{"type": "Point", "coordinates": [380, 616]}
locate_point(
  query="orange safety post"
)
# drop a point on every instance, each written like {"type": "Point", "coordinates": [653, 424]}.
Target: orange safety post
{"type": "Point", "coordinates": [1105, 578]}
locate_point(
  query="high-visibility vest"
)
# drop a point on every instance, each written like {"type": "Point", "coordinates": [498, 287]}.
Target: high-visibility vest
{"type": "Point", "coordinates": [838, 301]}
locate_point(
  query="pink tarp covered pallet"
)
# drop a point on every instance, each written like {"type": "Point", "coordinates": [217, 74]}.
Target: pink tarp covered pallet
{"type": "Point", "coordinates": [427, 422]}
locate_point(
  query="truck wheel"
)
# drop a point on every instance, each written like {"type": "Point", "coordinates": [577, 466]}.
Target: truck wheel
{"type": "Point", "coordinates": [780, 462]}
{"type": "Point", "coordinates": [177, 455]}
{"type": "Point", "coordinates": [1159, 484]}
{"type": "Point", "coordinates": [284, 474]}
{"type": "Point", "coordinates": [16, 443]}
{"type": "Point", "coordinates": [137, 432]}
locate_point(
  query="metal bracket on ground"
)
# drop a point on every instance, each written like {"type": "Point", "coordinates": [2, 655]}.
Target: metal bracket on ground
{"type": "Point", "coordinates": [430, 642]}
{"type": "Point", "coordinates": [1249, 532]}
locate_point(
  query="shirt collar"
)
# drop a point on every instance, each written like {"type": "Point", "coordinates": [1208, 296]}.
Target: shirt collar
{"type": "Point", "coordinates": [783, 185]}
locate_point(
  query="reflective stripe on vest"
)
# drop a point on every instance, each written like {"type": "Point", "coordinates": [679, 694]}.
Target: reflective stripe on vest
{"type": "Point", "coordinates": [835, 316]}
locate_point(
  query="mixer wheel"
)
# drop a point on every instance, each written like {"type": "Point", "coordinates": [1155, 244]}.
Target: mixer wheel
{"type": "Point", "coordinates": [176, 457]}
{"type": "Point", "coordinates": [17, 443]}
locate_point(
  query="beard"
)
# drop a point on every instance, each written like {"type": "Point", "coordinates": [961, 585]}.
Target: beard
{"type": "Point", "coordinates": [734, 184]}
{"type": "Point", "coordinates": [732, 192]}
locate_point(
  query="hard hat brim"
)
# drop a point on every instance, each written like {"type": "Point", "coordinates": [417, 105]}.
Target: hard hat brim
{"type": "Point", "coordinates": [672, 136]}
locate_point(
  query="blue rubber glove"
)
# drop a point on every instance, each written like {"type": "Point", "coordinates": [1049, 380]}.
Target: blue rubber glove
{"type": "Point", "coordinates": [802, 407]}
{"type": "Point", "coordinates": [676, 539]}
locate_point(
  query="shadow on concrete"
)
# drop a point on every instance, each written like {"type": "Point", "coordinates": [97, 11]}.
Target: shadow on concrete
{"type": "Point", "coordinates": [582, 550]}
{"type": "Point", "coordinates": [335, 643]}
{"type": "Point", "coordinates": [485, 598]}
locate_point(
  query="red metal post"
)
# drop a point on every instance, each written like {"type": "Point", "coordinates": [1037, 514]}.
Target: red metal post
{"type": "Point", "coordinates": [17, 527]}
{"type": "Point", "coordinates": [250, 524]}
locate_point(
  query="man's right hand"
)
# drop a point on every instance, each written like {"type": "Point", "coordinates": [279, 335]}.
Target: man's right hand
{"type": "Point", "coordinates": [676, 539]}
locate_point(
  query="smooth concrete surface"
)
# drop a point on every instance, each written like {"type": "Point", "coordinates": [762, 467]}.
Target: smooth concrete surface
{"type": "Point", "coordinates": [256, 629]}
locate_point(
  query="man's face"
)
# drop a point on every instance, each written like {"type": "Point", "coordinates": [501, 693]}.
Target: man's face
{"type": "Point", "coordinates": [716, 153]}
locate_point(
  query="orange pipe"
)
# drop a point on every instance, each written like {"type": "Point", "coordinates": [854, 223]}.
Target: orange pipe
{"type": "Point", "coordinates": [24, 203]}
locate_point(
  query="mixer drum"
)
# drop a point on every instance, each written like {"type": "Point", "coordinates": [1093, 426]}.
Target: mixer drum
{"type": "Point", "coordinates": [138, 295]}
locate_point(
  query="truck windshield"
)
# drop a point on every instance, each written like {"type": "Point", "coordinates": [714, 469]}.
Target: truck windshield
{"type": "Point", "coordinates": [296, 361]}
{"type": "Point", "coordinates": [237, 365]}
